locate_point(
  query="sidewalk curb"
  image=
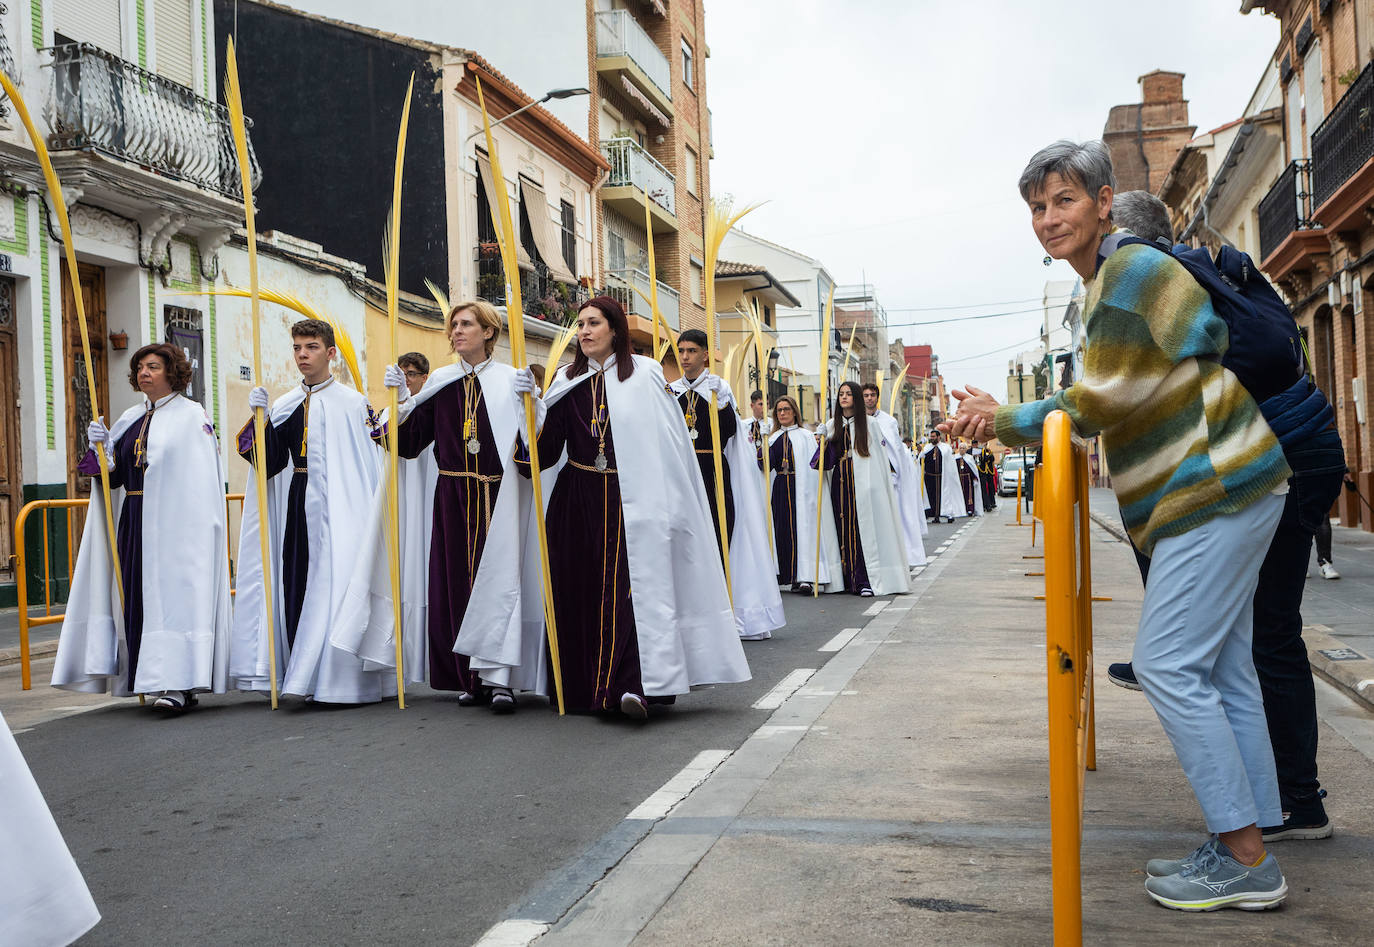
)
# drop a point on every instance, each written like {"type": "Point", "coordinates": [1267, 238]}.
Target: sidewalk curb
{"type": "Point", "coordinates": [38, 649]}
{"type": "Point", "coordinates": [1352, 676]}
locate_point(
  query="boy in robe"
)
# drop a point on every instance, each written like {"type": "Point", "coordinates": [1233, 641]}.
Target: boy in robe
{"type": "Point", "coordinates": [945, 495]}
{"type": "Point", "coordinates": [322, 431]}
{"type": "Point", "coordinates": [761, 425]}
{"type": "Point", "coordinates": [758, 606]}
{"type": "Point", "coordinates": [905, 477]}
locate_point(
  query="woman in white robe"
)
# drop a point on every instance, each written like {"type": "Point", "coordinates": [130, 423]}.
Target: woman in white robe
{"type": "Point", "coordinates": [867, 518]}
{"type": "Point", "coordinates": [792, 494]}
{"type": "Point", "coordinates": [639, 593]}
{"type": "Point", "coordinates": [168, 633]}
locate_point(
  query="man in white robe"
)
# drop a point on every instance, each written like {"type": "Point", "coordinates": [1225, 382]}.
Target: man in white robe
{"type": "Point", "coordinates": [947, 501]}
{"type": "Point", "coordinates": [316, 520]}
{"type": "Point", "coordinates": [753, 573]}
{"type": "Point", "coordinates": [905, 476]}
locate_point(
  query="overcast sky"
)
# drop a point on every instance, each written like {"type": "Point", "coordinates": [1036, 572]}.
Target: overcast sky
{"type": "Point", "coordinates": [887, 135]}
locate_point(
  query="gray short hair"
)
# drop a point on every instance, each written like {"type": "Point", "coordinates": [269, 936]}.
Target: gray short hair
{"type": "Point", "coordinates": [1088, 163]}
{"type": "Point", "coordinates": [1144, 215]}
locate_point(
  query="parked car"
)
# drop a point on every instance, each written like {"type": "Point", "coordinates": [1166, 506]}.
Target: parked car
{"type": "Point", "coordinates": [1011, 471]}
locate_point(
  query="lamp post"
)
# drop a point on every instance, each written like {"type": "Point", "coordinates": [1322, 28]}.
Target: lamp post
{"type": "Point", "coordinates": [551, 94]}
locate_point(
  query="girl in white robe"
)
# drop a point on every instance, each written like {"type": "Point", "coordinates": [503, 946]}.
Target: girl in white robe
{"type": "Point", "coordinates": [792, 493]}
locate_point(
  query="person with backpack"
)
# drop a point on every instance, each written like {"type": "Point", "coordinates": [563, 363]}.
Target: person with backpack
{"type": "Point", "coordinates": [1199, 477]}
{"type": "Point", "coordinates": [1264, 360]}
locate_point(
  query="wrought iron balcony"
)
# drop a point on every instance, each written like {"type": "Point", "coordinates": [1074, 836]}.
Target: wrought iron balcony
{"type": "Point", "coordinates": [541, 296]}
{"type": "Point", "coordinates": [1285, 208]}
{"type": "Point", "coordinates": [1344, 142]}
{"type": "Point", "coordinates": [618, 35]}
{"type": "Point", "coordinates": [632, 166]}
{"type": "Point", "coordinates": [102, 103]}
{"type": "Point", "coordinates": [622, 285]}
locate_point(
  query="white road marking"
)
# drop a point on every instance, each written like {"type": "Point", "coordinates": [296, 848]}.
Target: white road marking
{"type": "Point", "coordinates": [676, 789]}
{"type": "Point", "coordinates": [784, 689]}
{"type": "Point", "coordinates": [840, 640]}
{"type": "Point", "coordinates": [513, 933]}
{"type": "Point", "coordinates": [875, 608]}
{"type": "Point", "coordinates": [15, 733]}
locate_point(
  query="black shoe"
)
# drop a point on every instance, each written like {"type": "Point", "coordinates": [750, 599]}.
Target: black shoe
{"type": "Point", "coordinates": [804, 588]}
{"type": "Point", "coordinates": [1123, 675]}
{"type": "Point", "coordinates": [502, 700]}
{"type": "Point", "coordinates": [1305, 822]}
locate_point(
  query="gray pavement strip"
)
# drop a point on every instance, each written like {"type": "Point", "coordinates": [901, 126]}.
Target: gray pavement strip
{"type": "Point", "coordinates": [610, 892]}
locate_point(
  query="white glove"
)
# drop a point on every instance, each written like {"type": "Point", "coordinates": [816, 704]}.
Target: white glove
{"type": "Point", "coordinates": [258, 398]}
{"type": "Point", "coordinates": [525, 383]}
{"type": "Point", "coordinates": [98, 433]}
{"type": "Point", "coordinates": [712, 383]}
{"type": "Point", "coordinates": [393, 377]}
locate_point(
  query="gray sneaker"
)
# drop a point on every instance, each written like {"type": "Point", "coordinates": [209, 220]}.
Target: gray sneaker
{"type": "Point", "coordinates": [1216, 881]}
{"type": "Point", "coordinates": [1163, 867]}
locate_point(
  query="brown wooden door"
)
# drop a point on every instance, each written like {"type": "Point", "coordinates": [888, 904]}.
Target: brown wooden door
{"type": "Point", "coordinates": [78, 396]}
{"type": "Point", "coordinates": [11, 480]}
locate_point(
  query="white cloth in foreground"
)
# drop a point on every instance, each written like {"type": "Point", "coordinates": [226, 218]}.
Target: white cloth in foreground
{"type": "Point", "coordinates": [344, 469]}
{"type": "Point", "coordinates": [753, 571]}
{"type": "Point", "coordinates": [683, 620]}
{"type": "Point", "coordinates": [951, 491]}
{"type": "Point", "coordinates": [880, 519]}
{"type": "Point", "coordinates": [806, 481]}
{"type": "Point", "coordinates": [502, 632]}
{"type": "Point", "coordinates": [44, 901]}
{"type": "Point", "coordinates": [906, 480]}
{"type": "Point", "coordinates": [185, 582]}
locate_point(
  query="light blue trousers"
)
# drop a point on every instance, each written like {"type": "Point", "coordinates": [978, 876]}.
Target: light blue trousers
{"type": "Point", "coordinates": [1193, 660]}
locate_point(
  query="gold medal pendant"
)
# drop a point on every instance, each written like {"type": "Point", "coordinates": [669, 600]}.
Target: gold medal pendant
{"type": "Point", "coordinates": [600, 462]}
{"type": "Point", "coordinates": [474, 445]}
{"type": "Point", "coordinates": [692, 433]}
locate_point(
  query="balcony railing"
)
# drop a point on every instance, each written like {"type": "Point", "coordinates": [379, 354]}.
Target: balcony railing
{"type": "Point", "coordinates": [631, 164]}
{"type": "Point", "coordinates": [541, 296]}
{"type": "Point", "coordinates": [1345, 140]}
{"type": "Point", "coordinates": [622, 284]}
{"type": "Point", "coordinates": [617, 34]}
{"type": "Point", "coordinates": [6, 60]}
{"type": "Point", "coordinates": [1285, 208]}
{"type": "Point", "coordinates": [102, 103]}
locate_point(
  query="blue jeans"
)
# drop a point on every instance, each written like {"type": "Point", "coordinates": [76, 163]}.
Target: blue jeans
{"type": "Point", "coordinates": [1290, 703]}
{"type": "Point", "coordinates": [1193, 660]}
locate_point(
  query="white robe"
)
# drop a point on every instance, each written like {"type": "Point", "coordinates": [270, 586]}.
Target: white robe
{"type": "Point", "coordinates": [905, 483]}
{"type": "Point", "coordinates": [753, 570]}
{"type": "Point", "coordinates": [44, 901]}
{"type": "Point", "coordinates": [880, 529]}
{"type": "Point", "coordinates": [683, 619]}
{"type": "Point", "coordinates": [972, 463]}
{"type": "Point", "coordinates": [185, 583]}
{"type": "Point", "coordinates": [345, 468]}
{"type": "Point", "coordinates": [951, 492]}
{"type": "Point", "coordinates": [831, 573]}
{"type": "Point", "coordinates": [502, 629]}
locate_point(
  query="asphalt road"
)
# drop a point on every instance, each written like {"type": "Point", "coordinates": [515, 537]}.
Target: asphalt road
{"type": "Point", "coordinates": [314, 825]}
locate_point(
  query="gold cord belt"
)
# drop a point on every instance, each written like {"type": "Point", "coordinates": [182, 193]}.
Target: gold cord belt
{"type": "Point", "coordinates": [573, 463]}
{"type": "Point", "coordinates": [133, 493]}
{"type": "Point", "coordinates": [483, 478]}
{"type": "Point", "coordinates": [705, 450]}
{"type": "Point", "coordinates": [302, 470]}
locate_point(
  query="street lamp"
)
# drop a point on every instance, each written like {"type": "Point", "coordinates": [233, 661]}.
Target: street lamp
{"type": "Point", "coordinates": [551, 94]}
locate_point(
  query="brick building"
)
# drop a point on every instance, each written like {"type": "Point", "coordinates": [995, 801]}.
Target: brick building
{"type": "Point", "coordinates": [646, 69]}
{"type": "Point", "coordinates": [1316, 231]}
{"type": "Point", "coordinates": [1144, 137]}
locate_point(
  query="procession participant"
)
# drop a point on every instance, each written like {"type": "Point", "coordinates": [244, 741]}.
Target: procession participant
{"type": "Point", "coordinates": [467, 415]}
{"type": "Point", "coordinates": [986, 466]}
{"type": "Point", "coordinates": [794, 483]}
{"type": "Point", "coordinates": [761, 426]}
{"type": "Point", "coordinates": [1199, 476]}
{"type": "Point", "coordinates": [968, 480]}
{"type": "Point", "coordinates": [753, 585]}
{"type": "Point", "coordinates": [321, 430]}
{"type": "Point", "coordinates": [640, 601]}
{"type": "Point", "coordinates": [944, 496]}
{"type": "Point", "coordinates": [171, 636]}
{"type": "Point", "coordinates": [867, 519]}
{"type": "Point", "coordinates": [906, 478]}
{"type": "Point", "coordinates": [44, 901]}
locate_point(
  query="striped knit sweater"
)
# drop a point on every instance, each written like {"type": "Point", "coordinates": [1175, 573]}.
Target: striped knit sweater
{"type": "Point", "coordinates": [1184, 440]}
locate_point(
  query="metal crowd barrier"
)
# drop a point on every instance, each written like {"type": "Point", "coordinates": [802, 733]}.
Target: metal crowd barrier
{"type": "Point", "coordinates": [26, 621]}
{"type": "Point", "coordinates": [1061, 502]}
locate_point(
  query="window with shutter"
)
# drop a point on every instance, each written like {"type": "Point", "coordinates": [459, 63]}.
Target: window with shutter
{"type": "Point", "coordinates": [1313, 102]}
{"type": "Point", "coordinates": [569, 232]}
{"type": "Point", "coordinates": [1297, 144]}
{"type": "Point", "coordinates": [172, 41]}
{"type": "Point", "coordinates": [90, 21]}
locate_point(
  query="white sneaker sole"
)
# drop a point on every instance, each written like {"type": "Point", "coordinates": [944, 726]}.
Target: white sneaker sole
{"type": "Point", "coordinates": [1248, 901]}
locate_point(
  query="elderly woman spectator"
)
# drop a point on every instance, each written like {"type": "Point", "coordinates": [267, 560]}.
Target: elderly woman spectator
{"type": "Point", "coordinates": [1199, 477]}
{"type": "Point", "coordinates": [165, 629]}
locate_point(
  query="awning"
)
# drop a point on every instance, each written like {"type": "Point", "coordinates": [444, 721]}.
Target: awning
{"type": "Point", "coordinates": [489, 184]}
{"type": "Point", "coordinates": [546, 240]}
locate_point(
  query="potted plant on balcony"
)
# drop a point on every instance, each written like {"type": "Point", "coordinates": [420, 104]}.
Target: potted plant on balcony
{"type": "Point", "coordinates": [492, 287]}
{"type": "Point", "coordinates": [488, 250]}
